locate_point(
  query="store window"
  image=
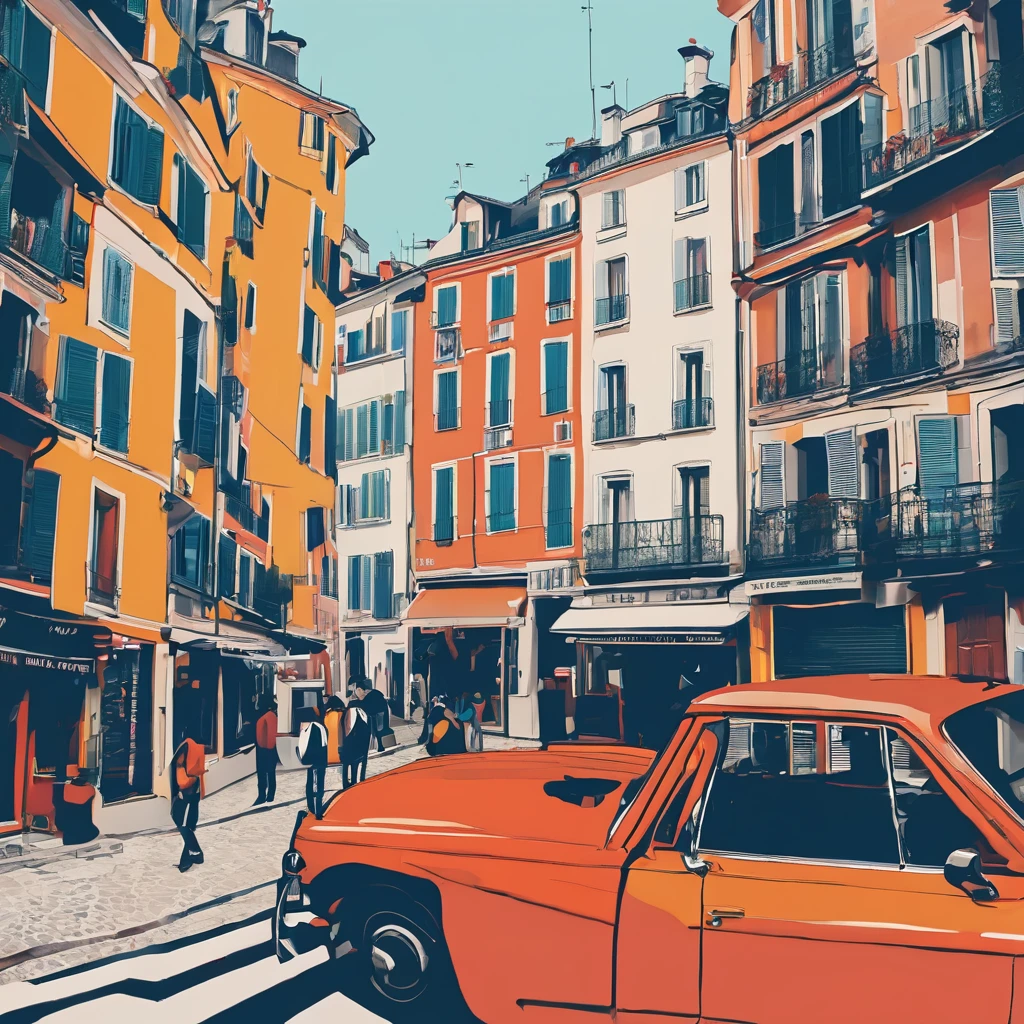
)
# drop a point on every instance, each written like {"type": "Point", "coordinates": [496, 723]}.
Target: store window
{"type": "Point", "coordinates": [126, 711]}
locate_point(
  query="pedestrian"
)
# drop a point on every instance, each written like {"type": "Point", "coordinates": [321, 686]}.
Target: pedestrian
{"type": "Point", "coordinates": [266, 754]}
{"type": "Point", "coordinates": [355, 744]}
{"type": "Point", "coordinates": [312, 750]}
{"type": "Point", "coordinates": [334, 711]}
{"type": "Point", "coordinates": [187, 789]}
{"type": "Point", "coordinates": [374, 703]}
{"type": "Point", "coordinates": [78, 796]}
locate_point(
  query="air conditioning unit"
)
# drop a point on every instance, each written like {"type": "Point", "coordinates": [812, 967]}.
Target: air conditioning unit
{"type": "Point", "coordinates": [502, 331]}
{"type": "Point", "coordinates": [563, 430]}
{"type": "Point", "coordinates": [497, 437]}
{"type": "Point", "coordinates": [1005, 312]}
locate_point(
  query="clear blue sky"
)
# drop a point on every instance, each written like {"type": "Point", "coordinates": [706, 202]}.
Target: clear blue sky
{"type": "Point", "coordinates": [486, 81]}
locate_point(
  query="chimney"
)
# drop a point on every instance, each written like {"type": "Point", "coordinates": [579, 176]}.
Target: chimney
{"type": "Point", "coordinates": [696, 60]}
{"type": "Point", "coordinates": [385, 271]}
{"type": "Point", "coordinates": [611, 124]}
{"type": "Point", "coordinates": [570, 142]}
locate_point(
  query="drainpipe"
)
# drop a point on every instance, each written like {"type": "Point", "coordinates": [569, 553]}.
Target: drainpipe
{"type": "Point", "coordinates": [217, 453]}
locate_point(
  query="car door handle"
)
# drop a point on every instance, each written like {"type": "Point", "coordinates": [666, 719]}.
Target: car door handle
{"type": "Point", "coordinates": [716, 917]}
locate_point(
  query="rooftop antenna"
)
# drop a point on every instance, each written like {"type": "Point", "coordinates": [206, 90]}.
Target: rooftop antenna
{"type": "Point", "coordinates": [461, 167]}
{"type": "Point", "coordinates": [611, 85]}
{"type": "Point", "coordinates": [527, 180]}
{"type": "Point", "coordinates": [589, 8]}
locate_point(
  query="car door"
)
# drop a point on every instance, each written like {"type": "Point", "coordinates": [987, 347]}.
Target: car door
{"type": "Point", "coordinates": [657, 961]}
{"type": "Point", "coordinates": [813, 908]}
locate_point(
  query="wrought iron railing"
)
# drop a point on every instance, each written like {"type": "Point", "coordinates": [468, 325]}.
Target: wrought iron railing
{"type": "Point", "coordinates": [246, 517]}
{"type": "Point", "coordinates": [611, 310]}
{"type": "Point", "coordinates": [775, 234]}
{"type": "Point", "coordinates": [619, 421]}
{"type": "Point", "coordinates": [816, 531]}
{"type": "Point", "coordinates": [102, 589]}
{"type": "Point", "coordinates": [780, 84]}
{"type": "Point", "coordinates": [272, 593]}
{"type": "Point", "coordinates": [798, 375]}
{"type": "Point", "coordinates": [931, 345]}
{"type": "Point", "coordinates": [810, 70]}
{"type": "Point", "coordinates": [692, 412]}
{"type": "Point", "coordinates": [655, 543]}
{"type": "Point", "coordinates": [693, 291]}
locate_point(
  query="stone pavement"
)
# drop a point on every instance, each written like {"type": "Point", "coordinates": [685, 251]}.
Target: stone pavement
{"type": "Point", "coordinates": [72, 911]}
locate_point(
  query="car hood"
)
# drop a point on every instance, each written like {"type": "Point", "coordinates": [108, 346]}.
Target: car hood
{"type": "Point", "coordinates": [514, 794]}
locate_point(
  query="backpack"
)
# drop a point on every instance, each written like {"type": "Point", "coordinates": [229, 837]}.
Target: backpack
{"type": "Point", "coordinates": [313, 745]}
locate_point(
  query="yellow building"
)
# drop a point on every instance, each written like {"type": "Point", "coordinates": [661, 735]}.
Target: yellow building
{"type": "Point", "coordinates": [168, 198]}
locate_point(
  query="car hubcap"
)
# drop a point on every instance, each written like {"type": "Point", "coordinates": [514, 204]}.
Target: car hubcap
{"type": "Point", "coordinates": [399, 962]}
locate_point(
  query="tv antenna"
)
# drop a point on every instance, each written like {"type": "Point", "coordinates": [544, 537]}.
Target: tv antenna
{"type": "Point", "coordinates": [589, 8]}
{"type": "Point", "coordinates": [611, 85]}
{"type": "Point", "coordinates": [462, 167]}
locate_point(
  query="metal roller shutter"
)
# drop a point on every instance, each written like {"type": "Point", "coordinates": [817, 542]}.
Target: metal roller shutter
{"type": "Point", "coordinates": [839, 640]}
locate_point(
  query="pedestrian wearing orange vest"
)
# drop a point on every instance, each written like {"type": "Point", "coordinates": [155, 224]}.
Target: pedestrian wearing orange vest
{"type": "Point", "coordinates": [187, 789]}
{"type": "Point", "coordinates": [266, 755]}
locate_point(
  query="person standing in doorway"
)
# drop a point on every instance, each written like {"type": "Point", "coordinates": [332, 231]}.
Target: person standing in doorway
{"type": "Point", "coordinates": [312, 750]}
{"type": "Point", "coordinates": [266, 754]}
{"type": "Point", "coordinates": [187, 789]}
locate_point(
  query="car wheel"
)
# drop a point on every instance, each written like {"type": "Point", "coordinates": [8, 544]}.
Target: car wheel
{"type": "Point", "coordinates": [400, 967]}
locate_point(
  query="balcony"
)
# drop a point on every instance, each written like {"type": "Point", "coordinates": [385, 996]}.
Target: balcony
{"type": "Point", "coordinates": [498, 432]}
{"type": "Point", "coordinates": [806, 534]}
{"type": "Point", "coordinates": [794, 377]}
{"type": "Point", "coordinates": [101, 589]}
{"type": "Point", "coordinates": [246, 517]}
{"type": "Point", "coordinates": [611, 310]}
{"type": "Point", "coordinates": [968, 520]}
{"type": "Point", "coordinates": [810, 70]}
{"type": "Point", "coordinates": [775, 234]}
{"type": "Point", "coordinates": [612, 423]}
{"type": "Point", "coordinates": [693, 292]}
{"type": "Point", "coordinates": [689, 413]}
{"type": "Point", "coordinates": [656, 544]}
{"type": "Point", "coordinates": [272, 594]}
{"type": "Point", "coordinates": [928, 346]}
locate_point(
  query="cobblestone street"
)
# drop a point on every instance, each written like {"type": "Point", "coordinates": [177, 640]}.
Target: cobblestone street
{"type": "Point", "coordinates": [73, 911]}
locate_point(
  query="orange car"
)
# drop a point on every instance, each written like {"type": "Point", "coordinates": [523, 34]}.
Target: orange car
{"type": "Point", "coordinates": [844, 849]}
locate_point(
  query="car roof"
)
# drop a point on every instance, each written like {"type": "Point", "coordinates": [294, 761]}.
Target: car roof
{"type": "Point", "coordinates": [924, 700]}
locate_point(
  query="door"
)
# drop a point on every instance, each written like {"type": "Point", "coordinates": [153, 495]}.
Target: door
{"type": "Point", "coordinates": [694, 507]}
{"type": "Point", "coordinates": [824, 843]}
{"type": "Point", "coordinates": [612, 403]}
{"type": "Point", "coordinates": [657, 963]}
{"type": "Point", "coordinates": [621, 517]}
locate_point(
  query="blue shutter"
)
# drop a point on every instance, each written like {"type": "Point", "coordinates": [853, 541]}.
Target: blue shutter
{"type": "Point", "coordinates": [308, 335]}
{"type": "Point", "coordinates": [444, 525]}
{"type": "Point", "coordinates": [305, 432]}
{"type": "Point", "coordinates": [117, 290]}
{"type": "Point", "coordinates": [399, 421]}
{"type": "Point", "coordinates": [937, 455]}
{"type": "Point", "coordinates": [315, 528]}
{"type": "Point", "coordinates": [448, 400]}
{"type": "Point", "coordinates": [35, 60]}
{"type": "Point", "coordinates": [41, 525]}
{"type": "Point", "coordinates": [192, 210]}
{"type": "Point", "coordinates": [116, 398]}
{"type": "Point", "coordinates": [226, 566]}
{"type": "Point", "coordinates": [152, 164]}
{"type": "Point", "coordinates": [389, 428]}
{"type": "Point", "coordinates": [1008, 230]}
{"type": "Point", "coordinates": [354, 577]}
{"type": "Point", "coordinates": [560, 280]}
{"type": "Point", "coordinates": [556, 376]}
{"type": "Point", "coordinates": [244, 577]}
{"type": "Point", "coordinates": [204, 443]}
{"type": "Point", "coordinates": [500, 410]}
{"type": "Point", "coordinates": [399, 322]}
{"type": "Point", "coordinates": [362, 430]}
{"type": "Point", "coordinates": [503, 476]}
{"type": "Point", "coordinates": [446, 305]}
{"type": "Point", "coordinates": [364, 496]}
{"type": "Point", "coordinates": [318, 249]}
{"type": "Point", "coordinates": [374, 437]}
{"type": "Point", "coordinates": [559, 529]}
{"type": "Point", "coordinates": [349, 433]}
{"type": "Point", "coordinates": [192, 333]}
{"type": "Point", "coordinates": [76, 387]}
{"type": "Point", "coordinates": [366, 582]}
{"type": "Point", "coordinates": [383, 584]}
{"type": "Point", "coordinates": [501, 307]}
{"type": "Point", "coordinates": [330, 437]}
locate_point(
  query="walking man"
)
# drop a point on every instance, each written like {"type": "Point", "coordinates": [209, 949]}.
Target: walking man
{"type": "Point", "coordinates": [312, 751]}
{"type": "Point", "coordinates": [266, 754]}
{"type": "Point", "coordinates": [375, 704]}
{"type": "Point", "coordinates": [187, 789]}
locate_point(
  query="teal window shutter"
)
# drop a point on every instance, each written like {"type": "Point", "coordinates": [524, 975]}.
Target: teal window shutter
{"type": "Point", "coordinates": [560, 280]}
{"type": "Point", "coordinates": [556, 377]}
{"type": "Point", "coordinates": [444, 513]}
{"type": "Point", "coordinates": [559, 525]}
{"type": "Point", "coordinates": [364, 496]}
{"type": "Point", "coordinates": [76, 386]}
{"type": "Point", "coordinates": [116, 397]}
{"type": "Point", "coordinates": [40, 530]}
{"type": "Point", "coordinates": [502, 296]}
{"type": "Point", "coordinates": [349, 451]}
{"type": "Point", "coordinates": [117, 290]}
{"type": "Point", "coordinates": [353, 582]}
{"type": "Point", "coordinates": [192, 337]}
{"type": "Point", "coordinates": [226, 566]}
{"type": "Point", "coordinates": [308, 335]}
{"type": "Point", "coordinates": [305, 432]}
{"type": "Point", "coordinates": [446, 305]}
{"type": "Point", "coordinates": [330, 437]}
{"type": "Point", "coordinates": [205, 438]}
{"type": "Point", "coordinates": [937, 455]}
{"type": "Point", "coordinates": [191, 209]}
{"type": "Point", "coordinates": [500, 412]}
{"type": "Point", "coordinates": [362, 430]}
{"type": "Point", "coordinates": [383, 584]}
{"type": "Point", "coordinates": [448, 400]}
{"type": "Point", "coordinates": [399, 421]}
{"type": "Point", "coordinates": [399, 322]}
{"type": "Point", "coordinates": [374, 439]}
{"type": "Point", "coordinates": [389, 428]}
{"type": "Point", "coordinates": [152, 165]}
{"type": "Point", "coordinates": [318, 249]}
{"type": "Point", "coordinates": [366, 583]}
{"type": "Point", "coordinates": [502, 491]}
{"type": "Point", "coordinates": [35, 60]}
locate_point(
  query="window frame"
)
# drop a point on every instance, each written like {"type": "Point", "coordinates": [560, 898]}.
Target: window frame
{"type": "Point", "coordinates": [457, 322]}
{"type": "Point", "coordinates": [605, 261]}
{"type": "Point", "coordinates": [118, 95]}
{"type": "Point", "coordinates": [557, 258]}
{"type": "Point", "coordinates": [457, 370]}
{"type": "Point", "coordinates": [179, 165]}
{"type": "Point", "coordinates": [510, 354]}
{"type": "Point", "coordinates": [621, 222]}
{"type": "Point", "coordinates": [501, 272]}
{"type": "Point", "coordinates": [548, 453]}
{"type": "Point", "coordinates": [97, 486]}
{"type": "Point", "coordinates": [120, 334]}
{"type": "Point", "coordinates": [680, 176]}
{"type": "Point", "coordinates": [501, 460]}
{"type": "Point", "coordinates": [544, 343]}
{"type": "Point", "coordinates": [251, 301]}
{"type": "Point", "coordinates": [98, 407]}
{"type": "Point", "coordinates": [453, 465]}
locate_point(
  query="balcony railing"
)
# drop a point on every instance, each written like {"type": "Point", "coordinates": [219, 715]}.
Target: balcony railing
{"type": "Point", "coordinates": [931, 345]}
{"type": "Point", "coordinates": [101, 589]}
{"type": "Point", "coordinates": [692, 292]}
{"type": "Point", "coordinates": [796, 376]}
{"type": "Point", "coordinates": [967, 520]}
{"type": "Point", "coordinates": [497, 437]}
{"type": "Point", "coordinates": [811, 69]}
{"type": "Point", "coordinates": [272, 593]}
{"type": "Point", "coordinates": [692, 412]}
{"type": "Point", "coordinates": [611, 310]}
{"type": "Point", "coordinates": [654, 544]}
{"type": "Point", "coordinates": [246, 517]}
{"type": "Point", "coordinates": [775, 234]}
{"type": "Point", "coordinates": [36, 239]}
{"type": "Point", "coordinates": [803, 534]}
{"type": "Point", "coordinates": [612, 423]}
{"type": "Point", "coordinates": [558, 311]}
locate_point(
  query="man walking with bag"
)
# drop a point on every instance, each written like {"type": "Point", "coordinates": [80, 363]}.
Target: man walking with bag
{"type": "Point", "coordinates": [187, 789]}
{"type": "Point", "coordinates": [312, 750]}
{"type": "Point", "coordinates": [266, 754]}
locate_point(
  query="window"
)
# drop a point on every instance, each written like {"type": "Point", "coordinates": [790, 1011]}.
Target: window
{"type": "Point", "coordinates": [555, 370]}
{"type": "Point", "coordinates": [613, 417]}
{"type": "Point", "coordinates": [799, 789]}
{"type": "Point", "coordinates": [446, 300]}
{"type": "Point", "coordinates": [383, 584]}
{"type": "Point", "coordinates": [690, 186]}
{"type": "Point", "coordinates": [117, 290]}
{"type": "Point", "coordinates": [331, 437]}
{"type": "Point", "coordinates": [319, 250]}
{"type": "Point", "coordinates": [76, 386]}
{"type": "Point", "coordinates": [312, 339]}
{"type": "Point", "coordinates": [499, 407]}
{"type": "Point", "coordinates": [374, 495]}
{"type": "Point", "coordinates": [305, 430]}
{"type": "Point", "coordinates": [115, 399]}
{"type": "Point", "coordinates": [193, 370]}
{"type": "Point", "coordinates": [356, 586]}
{"type": "Point", "coordinates": [1006, 206]}
{"type": "Point", "coordinates": [809, 213]}
{"type": "Point", "coordinates": [776, 212]}
{"type": "Point", "coordinates": [559, 289]}
{"type": "Point", "coordinates": [644, 140]}
{"type": "Point", "coordinates": [914, 278]}
{"type": "Point", "coordinates": [690, 121]}
{"type": "Point", "coordinates": [470, 238]}
{"type": "Point", "coordinates": [250, 308]}
{"type": "Point", "coordinates": [558, 214]}
{"type": "Point", "coordinates": [191, 197]}
{"type": "Point", "coordinates": [503, 295]}
{"type": "Point", "coordinates": [232, 108]}
{"type": "Point", "coordinates": [810, 315]}
{"type": "Point", "coordinates": [359, 429]}
{"type": "Point", "coordinates": [613, 209]}
{"type": "Point", "coordinates": [943, 443]}
{"type": "Point", "coordinates": [444, 504]}
{"type": "Point", "coordinates": [190, 554]}
{"type": "Point", "coordinates": [25, 44]}
{"type": "Point", "coordinates": [840, 160]}
{"type": "Point", "coordinates": [78, 249]}
{"type": "Point", "coordinates": [332, 172]}
{"type": "Point", "coordinates": [399, 329]}
{"type": "Point", "coordinates": [257, 185]}
{"type": "Point", "coordinates": [40, 526]}
{"type": "Point", "coordinates": [558, 502]}
{"type": "Point", "coordinates": [692, 279]}
{"type": "Point", "coordinates": [447, 400]}
{"type": "Point", "coordinates": [693, 405]}
{"type": "Point", "coordinates": [103, 569]}
{"type": "Point", "coordinates": [611, 291]}
{"type": "Point", "coordinates": [137, 157]}
{"type": "Point", "coordinates": [254, 37]}
{"type": "Point", "coordinates": [394, 424]}
{"type": "Point", "coordinates": [772, 475]}
{"type": "Point", "coordinates": [311, 134]}
{"type": "Point", "coordinates": [501, 496]}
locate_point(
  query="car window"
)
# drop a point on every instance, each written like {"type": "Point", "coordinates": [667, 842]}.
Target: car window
{"type": "Point", "coordinates": [804, 790]}
{"type": "Point", "coordinates": [931, 826]}
{"type": "Point", "coordinates": [704, 753]}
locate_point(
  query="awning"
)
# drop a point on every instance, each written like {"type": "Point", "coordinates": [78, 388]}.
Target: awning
{"type": "Point", "coordinates": [651, 623]}
{"type": "Point", "coordinates": [466, 606]}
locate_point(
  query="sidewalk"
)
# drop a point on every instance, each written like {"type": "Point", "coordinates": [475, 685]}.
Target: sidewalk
{"type": "Point", "coordinates": [72, 911]}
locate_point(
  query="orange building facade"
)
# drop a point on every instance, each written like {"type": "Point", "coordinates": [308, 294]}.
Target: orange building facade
{"type": "Point", "coordinates": [497, 467]}
{"type": "Point", "coordinates": [878, 177]}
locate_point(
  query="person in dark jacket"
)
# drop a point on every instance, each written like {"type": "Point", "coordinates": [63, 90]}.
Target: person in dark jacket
{"type": "Point", "coordinates": [266, 754]}
{"type": "Point", "coordinates": [375, 704]}
{"type": "Point", "coordinates": [312, 750]}
{"type": "Point", "coordinates": [187, 789]}
{"type": "Point", "coordinates": [77, 817]}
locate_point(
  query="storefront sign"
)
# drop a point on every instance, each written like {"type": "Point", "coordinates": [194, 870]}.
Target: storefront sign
{"type": "Point", "coordinates": [793, 584]}
{"type": "Point", "coordinates": [26, 659]}
{"type": "Point", "coordinates": [652, 638]}
{"type": "Point", "coordinates": [675, 595]}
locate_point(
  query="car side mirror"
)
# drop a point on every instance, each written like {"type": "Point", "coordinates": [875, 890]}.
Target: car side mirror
{"type": "Point", "coordinates": [963, 871]}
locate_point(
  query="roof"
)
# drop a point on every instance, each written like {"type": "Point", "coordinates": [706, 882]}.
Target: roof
{"type": "Point", "coordinates": [286, 37]}
{"type": "Point", "coordinates": [925, 701]}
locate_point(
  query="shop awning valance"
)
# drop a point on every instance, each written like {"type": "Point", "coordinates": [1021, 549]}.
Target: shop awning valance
{"type": "Point", "coordinates": [466, 606]}
{"type": "Point", "coordinates": [648, 623]}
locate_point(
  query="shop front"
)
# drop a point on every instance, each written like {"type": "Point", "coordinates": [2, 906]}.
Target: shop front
{"type": "Point", "coordinates": [465, 641]}
{"type": "Point", "coordinates": [640, 664]}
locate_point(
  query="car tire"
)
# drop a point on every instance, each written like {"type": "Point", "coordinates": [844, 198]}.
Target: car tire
{"type": "Point", "coordinates": [400, 967]}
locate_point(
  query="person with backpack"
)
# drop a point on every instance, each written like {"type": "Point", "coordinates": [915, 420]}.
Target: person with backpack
{"type": "Point", "coordinates": [355, 744]}
{"type": "Point", "coordinates": [188, 767]}
{"type": "Point", "coordinates": [375, 704]}
{"type": "Point", "coordinates": [312, 751]}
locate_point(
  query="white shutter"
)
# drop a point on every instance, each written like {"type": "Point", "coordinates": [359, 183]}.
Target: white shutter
{"type": "Point", "coordinates": [1006, 316]}
{"type": "Point", "coordinates": [1007, 205]}
{"type": "Point", "coordinates": [773, 479]}
{"type": "Point", "coordinates": [601, 280]}
{"type": "Point", "coordinates": [679, 259]}
{"type": "Point", "coordinates": [843, 471]}
{"type": "Point", "coordinates": [680, 183]}
{"type": "Point", "coordinates": [902, 280]}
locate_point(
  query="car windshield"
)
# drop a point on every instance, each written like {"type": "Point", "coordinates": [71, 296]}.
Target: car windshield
{"type": "Point", "coordinates": [633, 787]}
{"type": "Point", "coordinates": [991, 736]}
